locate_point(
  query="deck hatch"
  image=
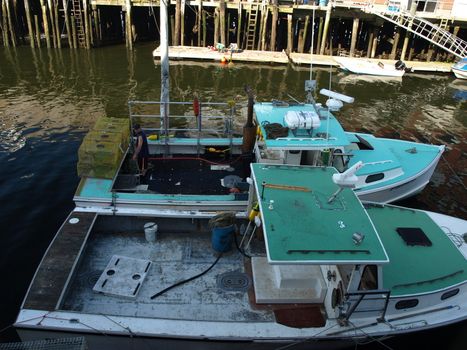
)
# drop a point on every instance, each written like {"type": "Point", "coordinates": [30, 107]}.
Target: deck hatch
{"type": "Point", "coordinates": [122, 277]}
{"type": "Point", "coordinates": [414, 236]}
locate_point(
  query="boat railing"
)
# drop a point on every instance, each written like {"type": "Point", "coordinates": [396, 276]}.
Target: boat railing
{"type": "Point", "coordinates": [186, 119]}
{"type": "Point", "coordinates": [365, 301]}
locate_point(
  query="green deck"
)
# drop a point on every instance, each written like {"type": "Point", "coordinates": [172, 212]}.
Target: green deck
{"type": "Point", "coordinates": [417, 269]}
{"type": "Point", "coordinates": [303, 221]}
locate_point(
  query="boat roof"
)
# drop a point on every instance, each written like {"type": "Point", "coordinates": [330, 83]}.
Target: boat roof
{"type": "Point", "coordinates": [274, 113]}
{"type": "Point", "coordinates": [426, 268]}
{"type": "Point", "coordinates": [303, 228]}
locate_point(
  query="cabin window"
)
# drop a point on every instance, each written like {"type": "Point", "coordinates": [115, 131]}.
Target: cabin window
{"type": "Point", "coordinates": [369, 278]}
{"type": "Point", "coordinates": [450, 294]}
{"type": "Point", "coordinates": [406, 304]}
{"type": "Point", "coordinates": [338, 160]}
{"type": "Point", "coordinates": [374, 177]}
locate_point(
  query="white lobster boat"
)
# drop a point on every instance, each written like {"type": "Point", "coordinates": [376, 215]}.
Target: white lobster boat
{"type": "Point", "coordinates": [371, 67]}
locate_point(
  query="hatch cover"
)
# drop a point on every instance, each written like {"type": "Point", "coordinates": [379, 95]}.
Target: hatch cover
{"type": "Point", "coordinates": [234, 281]}
{"type": "Point", "coordinates": [123, 277]}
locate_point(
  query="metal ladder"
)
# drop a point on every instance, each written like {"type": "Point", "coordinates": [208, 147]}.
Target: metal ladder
{"type": "Point", "coordinates": [78, 16]}
{"type": "Point", "coordinates": [426, 30]}
{"type": "Point", "coordinates": [251, 30]}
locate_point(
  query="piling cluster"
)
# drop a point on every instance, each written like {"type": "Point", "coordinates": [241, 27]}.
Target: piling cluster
{"type": "Point", "coordinates": [272, 25]}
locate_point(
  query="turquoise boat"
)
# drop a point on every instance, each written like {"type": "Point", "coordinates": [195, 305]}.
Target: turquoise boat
{"type": "Point", "coordinates": [312, 267]}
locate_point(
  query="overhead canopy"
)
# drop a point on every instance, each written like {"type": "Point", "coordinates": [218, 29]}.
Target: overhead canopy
{"type": "Point", "coordinates": [303, 228]}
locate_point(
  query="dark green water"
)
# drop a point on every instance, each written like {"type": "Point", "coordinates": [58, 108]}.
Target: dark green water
{"type": "Point", "coordinates": [49, 99]}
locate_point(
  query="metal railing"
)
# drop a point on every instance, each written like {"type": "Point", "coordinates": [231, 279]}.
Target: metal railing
{"type": "Point", "coordinates": [373, 296]}
{"type": "Point", "coordinates": [143, 113]}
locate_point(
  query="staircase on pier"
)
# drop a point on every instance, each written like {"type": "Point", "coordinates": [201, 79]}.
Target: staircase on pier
{"type": "Point", "coordinates": [437, 35]}
{"type": "Point", "coordinates": [77, 13]}
{"type": "Point", "coordinates": [251, 29]}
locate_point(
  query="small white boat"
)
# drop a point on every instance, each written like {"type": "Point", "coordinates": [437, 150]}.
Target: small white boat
{"type": "Point", "coordinates": [460, 69]}
{"type": "Point", "coordinates": [371, 67]}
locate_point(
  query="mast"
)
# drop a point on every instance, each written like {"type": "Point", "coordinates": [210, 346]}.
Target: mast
{"type": "Point", "coordinates": [164, 48]}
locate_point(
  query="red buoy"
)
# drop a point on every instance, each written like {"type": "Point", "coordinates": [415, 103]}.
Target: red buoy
{"type": "Point", "coordinates": [196, 106]}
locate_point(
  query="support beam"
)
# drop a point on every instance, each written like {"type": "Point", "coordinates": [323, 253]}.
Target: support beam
{"type": "Point", "coordinates": [198, 18]}
{"type": "Point", "coordinates": [216, 26]}
{"type": "Point", "coordinates": [222, 21]}
{"type": "Point", "coordinates": [325, 30]}
{"type": "Point", "coordinates": [239, 24]}
{"type": "Point", "coordinates": [10, 24]}
{"type": "Point", "coordinates": [395, 43]}
{"type": "Point", "coordinates": [204, 28]}
{"type": "Point", "coordinates": [38, 32]}
{"type": "Point", "coordinates": [370, 42]}
{"type": "Point", "coordinates": [176, 38]}
{"type": "Point", "coordinates": [264, 24]}
{"type": "Point", "coordinates": [128, 25]}
{"type": "Point", "coordinates": [52, 22]}
{"type": "Point", "coordinates": [164, 49]}
{"type": "Point", "coordinates": [67, 22]}
{"type": "Point", "coordinates": [302, 38]}
{"type": "Point", "coordinates": [6, 41]}
{"type": "Point", "coordinates": [29, 22]}
{"type": "Point", "coordinates": [375, 42]}
{"type": "Point", "coordinates": [45, 23]}
{"type": "Point", "coordinates": [289, 34]}
{"type": "Point", "coordinates": [73, 32]}
{"type": "Point", "coordinates": [320, 32]}
{"type": "Point", "coordinates": [275, 15]}
{"type": "Point", "coordinates": [57, 26]}
{"type": "Point", "coordinates": [405, 45]}
{"type": "Point", "coordinates": [353, 41]}
{"type": "Point", "coordinates": [182, 22]}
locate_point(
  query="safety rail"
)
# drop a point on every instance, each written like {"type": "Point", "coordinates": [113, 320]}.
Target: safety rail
{"type": "Point", "coordinates": [165, 131]}
{"type": "Point", "coordinates": [352, 304]}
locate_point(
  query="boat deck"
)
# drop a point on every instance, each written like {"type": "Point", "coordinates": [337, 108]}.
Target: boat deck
{"type": "Point", "coordinates": [58, 262]}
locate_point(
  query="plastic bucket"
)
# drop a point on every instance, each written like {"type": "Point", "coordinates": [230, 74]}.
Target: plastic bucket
{"type": "Point", "coordinates": [323, 2]}
{"type": "Point", "coordinates": [222, 238]}
{"type": "Point", "coordinates": [150, 231]}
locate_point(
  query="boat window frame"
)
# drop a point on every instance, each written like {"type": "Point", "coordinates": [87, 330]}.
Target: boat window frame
{"type": "Point", "coordinates": [406, 304]}
{"type": "Point", "coordinates": [450, 293]}
{"type": "Point", "coordinates": [374, 177]}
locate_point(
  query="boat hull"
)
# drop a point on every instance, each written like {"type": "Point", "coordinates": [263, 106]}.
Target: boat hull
{"type": "Point", "coordinates": [400, 190]}
{"type": "Point", "coordinates": [363, 66]}
{"type": "Point", "coordinates": [459, 73]}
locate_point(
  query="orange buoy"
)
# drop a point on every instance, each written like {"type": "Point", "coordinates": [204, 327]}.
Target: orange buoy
{"type": "Point", "coordinates": [223, 60]}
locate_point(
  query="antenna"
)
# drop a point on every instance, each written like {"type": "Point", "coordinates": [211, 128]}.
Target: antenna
{"type": "Point", "coordinates": [347, 179]}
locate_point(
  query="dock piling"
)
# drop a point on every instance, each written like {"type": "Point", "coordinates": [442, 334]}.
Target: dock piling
{"type": "Point", "coordinates": [176, 37]}
{"type": "Point", "coordinates": [222, 21]}
{"type": "Point", "coordinates": [289, 34]}
{"type": "Point", "coordinates": [45, 23]}
{"type": "Point", "coordinates": [29, 23]}
{"type": "Point", "coordinates": [275, 15]}
{"type": "Point", "coordinates": [38, 33]}
{"type": "Point", "coordinates": [353, 40]}
{"type": "Point", "coordinates": [325, 30]}
{"type": "Point", "coordinates": [395, 43]}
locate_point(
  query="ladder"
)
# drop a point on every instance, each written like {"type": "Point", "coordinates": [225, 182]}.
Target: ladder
{"type": "Point", "coordinates": [78, 16]}
{"type": "Point", "coordinates": [251, 29]}
{"type": "Point", "coordinates": [426, 30]}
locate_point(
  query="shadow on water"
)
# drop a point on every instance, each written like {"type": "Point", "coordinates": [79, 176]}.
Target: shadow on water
{"type": "Point", "coordinates": [50, 98]}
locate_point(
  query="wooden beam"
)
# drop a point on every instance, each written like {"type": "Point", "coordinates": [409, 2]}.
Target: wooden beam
{"type": "Point", "coordinates": [73, 32]}
{"type": "Point", "coordinates": [29, 22]}
{"type": "Point", "coordinates": [395, 43]}
{"type": "Point", "coordinates": [182, 22]}
{"type": "Point", "coordinates": [10, 24]}
{"type": "Point", "coordinates": [325, 30]}
{"type": "Point", "coordinates": [264, 24]}
{"type": "Point", "coordinates": [45, 23]}
{"type": "Point", "coordinates": [128, 24]}
{"type": "Point", "coordinates": [405, 45]}
{"type": "Point", "coordinates": [275, 15]}
{"type": "Point", "coordinates": [57, 26]}
{"type": "Point", "coordinates": [6, 41]}
{"type": "Point", "coordinates": [353, 40]}
{"type": "Point", "coordinates": [38, 33]}
{"type": "Point", "coordinates": [289, 34]}
{"type": "Point", "coordinates": [239, 24]}
{"type": "Point", "coordinates": [176, 38]}
{"type": "Point", "coordinates": [222, 21]}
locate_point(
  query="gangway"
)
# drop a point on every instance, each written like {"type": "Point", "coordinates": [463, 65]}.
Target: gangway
{"type": "Point", "coordinates": [424, 29]}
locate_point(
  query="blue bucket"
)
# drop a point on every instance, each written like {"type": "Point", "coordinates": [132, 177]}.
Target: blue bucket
{"type": "Point", "coordinates": [222, 238]}
{"type": "Point", "coordinates": [323, 2]}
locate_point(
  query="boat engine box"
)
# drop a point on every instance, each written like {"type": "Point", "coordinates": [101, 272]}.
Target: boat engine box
{"type": "Point", "coordinates": [301, 120]}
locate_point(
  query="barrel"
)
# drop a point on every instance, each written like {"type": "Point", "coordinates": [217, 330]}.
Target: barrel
{"type": "Point", "coordinates": [150, 231]}
{"type": "Point", "coordinates": [222, 238]}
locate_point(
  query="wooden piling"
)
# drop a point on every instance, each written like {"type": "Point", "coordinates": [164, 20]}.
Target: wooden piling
{"type": "Point", "coordinates": [375, 42]}
{"type": "Point", "coordinates": [216, 26]}
{"type": "Point", "coordinates": [99, 25]}
{"type": "Point", "coordinates": [172, 27]}
{"type": "Point", "coordinates": [52, 25]}
{"type": "Point", "coordinates": [29, 22]}
{"type": "Point", "coordinates": [45, 23]}
{"type": "Point", "coordinates": [353, 40]}
{"type": "Point", "coordinates": [239, 24]}
{"type": "Point", "coordinates": [182, 22]}
{"type": "Point", "coordinates": [370, 40]}
{"type": "Point", "coordinates": [6, 41]}
{"type": "Point", "coordinates": [395, 43]}
{"type": "Point", "coordinates": [289, 34]}
{"type": "Point", "coordinates": [57, 26]}
{"type": "Point", "coordinates": [264, 24]}
{"type": "Point", "coordinates": [73, 32]}
{"type": "Point", "coordinates": [10, 23]}
{"type": "Point", "coordinates": [198, 18]}
{"type": "Point", "coordinates": [96, 25]}
{"type": "Point", "coordinates": [222, 21]}
{"type": "Point", "coordinates": [129, 36]}
{"type": "Point", "coordinates": [38, 33]}
{"type": "Point", "coordinates": [301, 45]}
{"type": "Point", "coordinates": [204, 28]}
{"type": "Point", "coordinates": [176, 38]}
{"type": "Point", "coordinates": [275, 15]}
{"type": "Point", "coordinates": [320, 32]}
{"type": "Point", "coordinates": [325, 30]}
{"type": "Point", "coordinates": [405, 45]}
{"type": "Point", "coordinates": [67, 22]}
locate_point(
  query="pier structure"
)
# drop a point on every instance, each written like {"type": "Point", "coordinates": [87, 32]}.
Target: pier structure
{"type": "Point", "coordinates": [430, 30]}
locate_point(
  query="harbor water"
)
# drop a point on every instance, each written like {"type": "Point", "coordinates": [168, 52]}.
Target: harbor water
{"type": "Point", "coordinates": [50, 98]}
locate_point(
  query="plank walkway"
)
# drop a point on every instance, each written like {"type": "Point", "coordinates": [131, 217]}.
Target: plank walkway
{"type": "Point", "coordinates": [57, 264]}
{"type": "Point", "coordinates": [248, 56]}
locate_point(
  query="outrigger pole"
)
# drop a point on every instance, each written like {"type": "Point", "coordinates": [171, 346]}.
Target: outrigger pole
{"type": "Point", "coordinates": [164, 49]}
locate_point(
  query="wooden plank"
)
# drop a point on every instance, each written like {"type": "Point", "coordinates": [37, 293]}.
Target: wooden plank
{"type": "Point", "coordinates": [288, 188]}
{"type": "Point", "coordinates": [53, 272]}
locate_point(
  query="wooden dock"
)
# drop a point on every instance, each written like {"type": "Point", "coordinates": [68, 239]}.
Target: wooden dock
{"type": "Point", "coordinates": [267, 57]}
